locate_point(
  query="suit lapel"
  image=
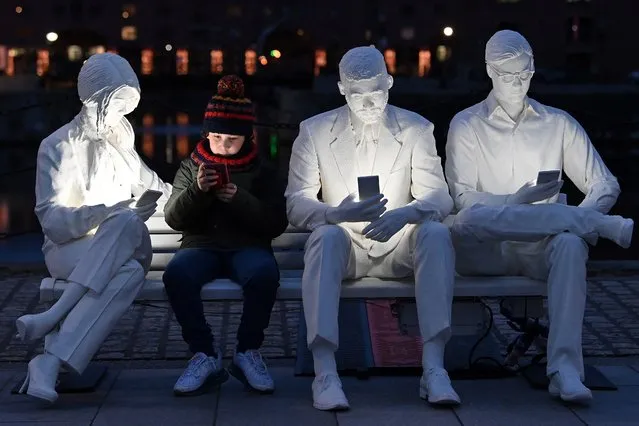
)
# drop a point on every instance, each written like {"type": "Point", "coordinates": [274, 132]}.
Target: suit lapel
{"type": "Point", "coordinates": [388, 147]}
{"type": "Point", "coordinates": [343, 148]}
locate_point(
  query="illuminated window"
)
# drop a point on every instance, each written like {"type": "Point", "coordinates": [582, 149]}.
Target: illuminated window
{"type": "Point", "coordinates": [11, 64]}
{"type": "Point", "coordinates": [389, 57]}
{"type": "Point", "coordinates": [250, 62]}
{"type": "Point", "coordinates": [74, 53]}
{"type": "Point", "coordinates": [128, 11]}
{"type": "Point", "coordinates": [96, 49]}
{"type": "Point", "coordinates": [129, 33]}
{"type": "Point", "coordinates": [320, 60]}
{"type": "Point", "coordinates": [147, 62]}
{"type": "Point", "coordinates": [3, 57]}
{"type": "Point", "coordinates": [148, 136]}
{"type": "Point", "coordinates": [42, 62]}
{"type": "Point", "coordinates": [423, 64]}
{"type": "Point", "coordinates": [182, 141]}
{"type": "Point", "coordinates": [182, 62]}
{"type": "Point", "coordinates": [5, 217]}
{"type": "Point", "coordinates": [217, 61]}
{"type": "Point", "coordinates": [443, 53]}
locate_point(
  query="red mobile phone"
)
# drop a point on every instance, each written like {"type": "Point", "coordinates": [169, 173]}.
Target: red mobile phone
{"type": "Point", "coordinates": [222, 173]}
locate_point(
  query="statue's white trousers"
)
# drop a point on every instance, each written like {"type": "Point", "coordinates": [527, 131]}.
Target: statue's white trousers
{"type": "Point", "coordinates": [425, 251]}
{"type": "Point", "coordinates": [545, 242]}
{"type": "Point", "coordinates": [112, 265]}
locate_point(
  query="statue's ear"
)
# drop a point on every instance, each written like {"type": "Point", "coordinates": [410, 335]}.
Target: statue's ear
{"type": "Point", "coordinates": [490, 72]}
{"type": "Point", "coordinates": [340, 86]}
{"type": "Point", "coordinates": [391, 81]}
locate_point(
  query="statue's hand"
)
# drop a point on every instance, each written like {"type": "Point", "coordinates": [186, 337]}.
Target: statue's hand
{"type": "Point", "coordinates": [350, 210]}
{"type": "Point", "coordinates": [388, 225]}
{"type": "Point", "coordinates": [530, 193]}
{"type": "Point", "coordinates": [144, 211]}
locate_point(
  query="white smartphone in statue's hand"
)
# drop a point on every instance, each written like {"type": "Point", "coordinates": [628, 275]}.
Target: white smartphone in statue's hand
{"type": "Point", "coordinates": [150, 196]}
{"type": "Point", "coordinates": [368, 186]}
{"type": "Point", "coordinates": [546, 176]}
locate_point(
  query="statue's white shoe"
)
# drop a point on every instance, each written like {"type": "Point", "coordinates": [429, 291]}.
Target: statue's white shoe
{"type": "Point", "coordinates": [568, 387]}
{"type": "Point", "coordinates": [328, 393]}
{"type": "Point", "coordinates": [624, 238]}
{"type": "Point", "coordinates": [35, 326]}
{"type": "Point", "coordinates": [435, 387]}
{"type": "Point", "coordinates": [42, 377]}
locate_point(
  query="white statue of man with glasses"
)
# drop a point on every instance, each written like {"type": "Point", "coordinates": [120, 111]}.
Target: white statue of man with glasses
{"type": "Point", "coordinates": [511, 224]}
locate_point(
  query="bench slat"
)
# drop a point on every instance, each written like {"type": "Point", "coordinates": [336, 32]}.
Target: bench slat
{"type": "Point", "coordinates": [157, 225]}
{"type": "Point", "coordinates": [293, 259]}
{"type": "Point", "coordinates": [364, 288]}
{"type": "Point", "coordinates": [171, 242]}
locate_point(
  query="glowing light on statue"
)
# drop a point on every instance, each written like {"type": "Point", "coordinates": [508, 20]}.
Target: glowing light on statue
{"type": "Point", "coordinates": [95, 239]}
{"type": "Point", "coordinates": [354, 152]}
{"type": "Point", "coordinates": [509, 219]}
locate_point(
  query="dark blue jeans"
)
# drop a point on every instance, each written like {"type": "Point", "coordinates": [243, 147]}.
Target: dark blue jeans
{"type": "Point", "coordinates": [255, 269]}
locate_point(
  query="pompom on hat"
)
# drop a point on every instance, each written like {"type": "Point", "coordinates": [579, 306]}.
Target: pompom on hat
{"type": "Point", "coordinates": [229, 111]}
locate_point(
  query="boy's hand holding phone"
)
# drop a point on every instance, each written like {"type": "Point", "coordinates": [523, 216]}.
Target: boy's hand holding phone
{"type": "Point", "coordinates": [207, 178]}
{"type": "Point", "coordinates": [226, 192]}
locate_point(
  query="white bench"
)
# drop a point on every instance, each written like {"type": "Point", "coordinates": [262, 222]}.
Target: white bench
{"type": "Point", "coordinates": [469, 316]}
{"type": "Point", "coordinates": [289, 252]}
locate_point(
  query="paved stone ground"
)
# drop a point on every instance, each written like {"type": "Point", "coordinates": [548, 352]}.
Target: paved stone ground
{"type": "Point", "coordinates": [143, 397]}
{"type": "Point", "coordinates": [150, 332]}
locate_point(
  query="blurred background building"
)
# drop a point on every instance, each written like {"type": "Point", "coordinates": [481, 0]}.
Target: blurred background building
{"type": "Point", "coordinates": [577, 40]}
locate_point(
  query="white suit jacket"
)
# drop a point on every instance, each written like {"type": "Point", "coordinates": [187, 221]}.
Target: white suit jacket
{"type": "Point", "coordinates": [406, 161]}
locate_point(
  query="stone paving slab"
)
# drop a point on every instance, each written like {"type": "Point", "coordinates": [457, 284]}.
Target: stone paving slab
{"type": "Point", "coordinates": [77, 409]}
{"type": "Point", "coordinates": [620, 375]}
{"type": "Point", "coordinates": [5, 378]}
{"type": "Point", "coordinates": [42, 423]}
{"type": "Point", "coordinates": [509, 402]}
{"type": "Point", "coordinates": [145, 397]}
{"type": "Point", "coordinates": [382, 401]}
{"type": "Point", "coordinates": [291, 404]}
{"type": "Point", "coordinates": [612, 408]}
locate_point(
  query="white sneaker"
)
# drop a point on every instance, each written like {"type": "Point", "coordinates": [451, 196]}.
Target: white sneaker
{"type": "Point", "coordinates": [202, 373]}
{"type": "Point", "coordinates": [328, 393]}
{"type": "Point", "coordinates": [435, 387]}
{"type": "Point", "coordinates": [568, 387]}
{"type": "Point", "coordinates": [249, 368]}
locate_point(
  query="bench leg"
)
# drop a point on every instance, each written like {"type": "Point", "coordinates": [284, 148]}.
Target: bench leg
{"type": "Point", "coordinates": [69, 382]}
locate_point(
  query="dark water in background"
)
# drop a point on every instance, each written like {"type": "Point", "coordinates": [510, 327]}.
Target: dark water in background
{"type": "Point", "coordinates": [167, 128]}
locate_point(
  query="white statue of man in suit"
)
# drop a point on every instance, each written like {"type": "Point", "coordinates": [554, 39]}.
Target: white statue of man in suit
{"type": "Point", "coordinates": [393, 235]}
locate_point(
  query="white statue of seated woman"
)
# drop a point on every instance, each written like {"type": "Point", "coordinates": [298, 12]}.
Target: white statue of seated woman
{"type": "Point", "coordinates": [94, 234]}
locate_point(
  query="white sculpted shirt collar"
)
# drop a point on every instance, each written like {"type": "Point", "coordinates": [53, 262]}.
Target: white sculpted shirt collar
{"type": "Point", "coordinates": [494, 110]}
